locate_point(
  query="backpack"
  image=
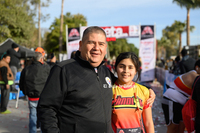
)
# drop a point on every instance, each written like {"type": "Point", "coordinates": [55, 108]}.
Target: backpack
{"type": "Point", "coordinates": [189, 112]}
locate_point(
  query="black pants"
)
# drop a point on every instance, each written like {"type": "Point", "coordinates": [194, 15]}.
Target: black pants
{"type": "Point", "coordinates": [5, 93]}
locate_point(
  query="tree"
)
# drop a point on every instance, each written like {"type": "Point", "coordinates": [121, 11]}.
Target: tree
{"type": "Point", "coordinates": [38, 4]}
{"type": "Point", "coordinates": [61, 27]}
{"type": "Point", "coordinates": [169, 41]}
{"type": "Point", "coordinates": [188, 4]}
{"type": "Point", "coordinates": [166, 44]}
{"type": "Point", "coordinates": [52, 41]}
{"type": "Point", "coordinates": [121, 45]}
{"type": "Point", "coordinates": [179, 28]}
{"type": "Point", "coordinates": [16, 21]}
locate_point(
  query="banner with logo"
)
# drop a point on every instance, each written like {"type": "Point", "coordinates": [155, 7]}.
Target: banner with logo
{"type": "Point", "coordinates": [73, 34]}
{"type": "Point", "coordinates": [73, 41]}
{"type": "Point", "coordinates": [72, 46]}
{"type": "Point", "coordinates": [119, 31]}
{"type": "Point", "coordinates": [112, 33]}
{"type": "Point", "coordinates": [147, 52]}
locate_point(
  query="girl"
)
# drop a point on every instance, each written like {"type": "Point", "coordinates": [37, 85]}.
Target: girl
{"type": "Point", "coordinates": [130, 98]}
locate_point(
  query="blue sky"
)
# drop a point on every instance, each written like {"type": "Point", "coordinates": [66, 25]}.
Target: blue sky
{"type": "Point", "coordinates": [162, 13]}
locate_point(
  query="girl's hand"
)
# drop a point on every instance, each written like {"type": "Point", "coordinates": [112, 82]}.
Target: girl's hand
{"type": "Point", "coordinates": [152, 97]}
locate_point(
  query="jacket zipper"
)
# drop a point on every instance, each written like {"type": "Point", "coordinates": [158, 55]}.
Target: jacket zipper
{"type": "Point", "coordinates": [96, 71]}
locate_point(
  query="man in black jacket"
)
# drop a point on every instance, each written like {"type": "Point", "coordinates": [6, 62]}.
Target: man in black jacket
{"type": "Point", "coordinates": [77, 96]}
{"type": "Point", "coordinates": [32, 81]}
{"type": "Point", "coordinates": [14, 64]}
{"type": "Point", "coordinates": [187, 63]}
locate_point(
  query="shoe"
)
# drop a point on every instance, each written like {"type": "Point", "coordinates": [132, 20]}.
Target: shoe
{"type": "Point", "coordinates": [6, 112]}
{"type": "Point", "coordinates": [38, 130]}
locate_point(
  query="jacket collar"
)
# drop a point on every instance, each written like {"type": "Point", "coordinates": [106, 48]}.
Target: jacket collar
{"type": "Point", "coordinates": [84, 62]}
{"type": "Point", "coordinates": [36, 62]}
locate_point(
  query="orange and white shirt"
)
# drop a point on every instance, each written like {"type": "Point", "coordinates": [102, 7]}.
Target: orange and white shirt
{"type": "Point", "coordinates": [127, 105]}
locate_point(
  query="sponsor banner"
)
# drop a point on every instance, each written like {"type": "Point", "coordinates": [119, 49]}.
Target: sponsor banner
{"type": "Point", "coordinates": [82, 29]}
{"type": "Point", "coordinates": [72, 46]}
{"type": "Point", "coordinates": [119, 31]}
{"type": "Point", "coordinates": [147, 54]}
{"type": "Point", "coordinates": [147, 31]}
{"type": "Point", "coordinates": [73, 34]}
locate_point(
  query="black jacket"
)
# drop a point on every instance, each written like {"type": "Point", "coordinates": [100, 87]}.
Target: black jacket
{"type": "Point", "coordinates": [187, 64]}
{"type": "Point", "coordinates": [196, 97]}
{"type": "Point", "coordinates": [51, 64]}
{"type": "Point", "coordinates": [33, 79]}
{"type": "Point", "coordinates": [14, 57]}
{"type": "Point", "coordinates": [76, 99]}
{"type": "Point", "coordinates": [3, 72]}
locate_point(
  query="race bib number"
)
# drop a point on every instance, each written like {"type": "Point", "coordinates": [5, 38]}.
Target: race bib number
{"type": "Point", "coordinates": [130, 130]}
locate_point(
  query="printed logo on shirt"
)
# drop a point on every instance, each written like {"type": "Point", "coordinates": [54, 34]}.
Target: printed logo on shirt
{"type": "Point", "coordinates": [127, 102]}
{"type": "Point", "coordinates": [108, 81]}
{"type": "Point", "coordinates": [121, 131]}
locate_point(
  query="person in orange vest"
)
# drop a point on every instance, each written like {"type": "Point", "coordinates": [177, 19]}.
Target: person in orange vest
{"type": "Point", "coordinates": [6, 79]}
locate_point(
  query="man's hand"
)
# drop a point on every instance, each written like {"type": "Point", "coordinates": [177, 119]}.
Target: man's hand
{"type": "Point", "coordinates": [152, 97]}
{"type": "Point", "coordinates": [7, 86]}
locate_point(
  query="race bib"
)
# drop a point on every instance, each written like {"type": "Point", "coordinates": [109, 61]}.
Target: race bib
{"type": "Point", "coordinates": [130, 130]}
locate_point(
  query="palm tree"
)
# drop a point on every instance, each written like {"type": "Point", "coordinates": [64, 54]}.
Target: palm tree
{"type": "Point", "coordinates": [188, 4]}
{"type": "Point", "coordinates": [38, 4]}
{"type": "Point", "coordinates": [179, 27]}
{"type": "Point", "coordinates": [61, 28]}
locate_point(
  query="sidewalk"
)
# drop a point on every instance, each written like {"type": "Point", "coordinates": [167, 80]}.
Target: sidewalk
{"type": "Point", "coordinates": [17, 121]}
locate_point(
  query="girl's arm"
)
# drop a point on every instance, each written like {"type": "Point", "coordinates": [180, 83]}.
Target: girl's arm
{"type": "Point", "coordinates": [147, 120]}
{"type": "Point", "coordinates": [152, 97]}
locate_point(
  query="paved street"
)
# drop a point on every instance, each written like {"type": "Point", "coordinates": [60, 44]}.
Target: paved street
{"type": "Point", "coordinates": [17, 121]}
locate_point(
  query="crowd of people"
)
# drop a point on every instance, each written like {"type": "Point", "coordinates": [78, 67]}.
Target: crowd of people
{"type": "Point", "coordinates": [180, 90]}
{"type": "Point", "coordinates": [83, 95]}
{"type": "Point", "coordinates": [32, 80]}
{"type": "Point", "coordinates": [177, 66]}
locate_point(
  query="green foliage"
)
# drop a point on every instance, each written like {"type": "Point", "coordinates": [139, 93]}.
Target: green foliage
{"type": "Point", "coordinates": [169, 41]}
{"type": "Point", "coordinates": [166, 43]}
{"type": "Point", "coordinates": [52, 41]}
{"type": "Point", "coordinates": [179, 27]}
{"type": "Point", "coordinates": [121, 45]}
{"type": "Point", "coordinates": [171, 37]}
{"type": "Point", "coordinates": [16, 21]}
{"type": "Point", "coordinates": [169, 33]}
{"type": "Point", "coordinates": [43, 3]}
{"type": "Point", "coordinates": [188, 3]}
